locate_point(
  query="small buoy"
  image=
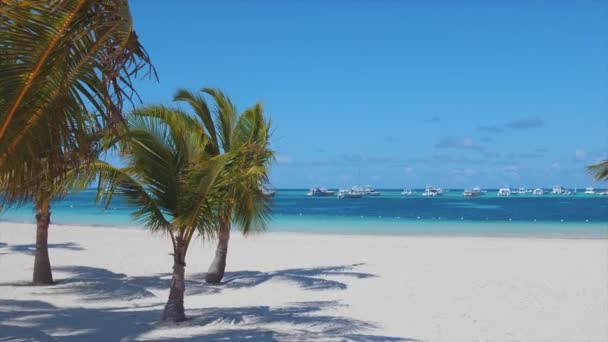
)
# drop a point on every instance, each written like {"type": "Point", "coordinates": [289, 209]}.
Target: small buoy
{"type": "Point", "coordinates": [418, 217]}
{"type": "Point", "coordinates": [462, 218]}
{"type": "Point", "coordinates": [510, 219]}
{"type": "Point", "coordinates": [534, 220]}
{"type": "Point", "coordinates": [587, 220]}
{"type": "Point", "coordinates": [562, 220]}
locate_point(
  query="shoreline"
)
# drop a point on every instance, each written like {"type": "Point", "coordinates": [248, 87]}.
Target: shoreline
{"type": "Point", "coordinates": [380, 233]}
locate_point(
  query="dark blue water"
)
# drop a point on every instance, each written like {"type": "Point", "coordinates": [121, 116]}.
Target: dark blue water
{"type": "Point", "coordinates": [391, 213]}
{"type": "Point", "coordinates": [451, 206]}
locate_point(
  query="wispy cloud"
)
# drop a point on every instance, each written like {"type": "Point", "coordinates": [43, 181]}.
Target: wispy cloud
{"type": "Point", "coordinates": [491, 128]}
{"type": "Point", "coordinates": [519, 124]}
{"type": "Point", "coordinates": [463, 172]}
{"type": "Point", "coordinates": [580, 154]}
{"type": "Point", "coordinates": [390, 139]}
{"type": "Point", "coordinates": [283, 159]}
{"type": "Point", "coordinates": [465, 143]}
{"type": "Point", "coordinates": [526, 123]}
{"type": "Point", "coordinates": [433, 119]}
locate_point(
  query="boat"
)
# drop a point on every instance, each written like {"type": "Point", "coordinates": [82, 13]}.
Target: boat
{"type": "Point", "coordinates": [558, 190]}
{"type": "Point", "coordinates": [368, 191]}
{"type": "Point", "coordinates": [522, 191]}
{"type": "Point", "coordinates": [472, 193]}
{"type": "Point", "coordinates": [350, 194]}
{"type": "Point", "coordinates": [408, 192]}
{"type": "Point", "coordinates": [504, 192]}
{"type": "Point", "coordinates": [538, 192]}
{"type": "Point", "coordinates": [320, 192]}
{"type": "Point", "coordinates": [429, 191]}
{"type": "Point", "coordinates": [589, 191]}
{"type": "Point", "coordinates": [603, 193]}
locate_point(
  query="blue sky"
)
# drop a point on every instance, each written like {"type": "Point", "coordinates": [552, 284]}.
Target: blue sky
{"type": "Point", "coordinates": [400, 93]}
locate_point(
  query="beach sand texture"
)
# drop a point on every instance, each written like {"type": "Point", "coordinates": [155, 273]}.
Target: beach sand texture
{"type": "Point", "coordinates": [113, 284]}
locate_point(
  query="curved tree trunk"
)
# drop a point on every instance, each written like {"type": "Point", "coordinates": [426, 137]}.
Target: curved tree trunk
{"type": "Point", "coordinates": [42, 264]}
{"type": "Point", "coordinates": [218, 266]}
{"type": "Point", "coordinates": [174, 309]}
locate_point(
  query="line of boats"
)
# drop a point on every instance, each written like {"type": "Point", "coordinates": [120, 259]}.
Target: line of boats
{"type": "Point", "coordinates": [429, 191]}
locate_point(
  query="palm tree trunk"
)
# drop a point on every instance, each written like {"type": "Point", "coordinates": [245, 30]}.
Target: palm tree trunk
{"type": "Point", "coordinates": [174, 309]}
{"type": "Point", "coordinates": [218, 266]}
{"type": "Point", "coordinates": [42, 264]}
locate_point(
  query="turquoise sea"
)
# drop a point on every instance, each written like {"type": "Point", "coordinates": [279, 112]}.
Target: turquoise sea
{"type": "Point", "coordinates": [572, 216]}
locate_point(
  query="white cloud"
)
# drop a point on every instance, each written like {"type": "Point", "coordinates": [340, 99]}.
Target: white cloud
{"type": "Point", "coordinates": [463, 172]}
{"type": "Point", "coordinates": [580, 154]}
{"type": "Point", "coordinates": [283, 159]}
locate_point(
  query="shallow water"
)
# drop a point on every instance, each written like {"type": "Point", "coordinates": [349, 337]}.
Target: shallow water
{"type": "Point", "coordinates": [576, 216]}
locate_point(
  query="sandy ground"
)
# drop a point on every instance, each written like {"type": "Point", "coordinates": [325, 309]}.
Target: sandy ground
{"type": "Point", "coordinates": [112, 284]}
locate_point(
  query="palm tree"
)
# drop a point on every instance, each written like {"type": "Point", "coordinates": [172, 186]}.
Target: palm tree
{"type": "Point", "coordinates": [59, 61]}
{"type": "Point", "coordinates": [244, 201]}
{"type": "Point", "coordinates": [599, 170]}
{"type": "Point", "coordinates": [170, 179]}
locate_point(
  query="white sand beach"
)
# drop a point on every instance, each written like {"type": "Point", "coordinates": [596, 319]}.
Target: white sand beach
{"type": "Point", "coordinates": [112, 284]}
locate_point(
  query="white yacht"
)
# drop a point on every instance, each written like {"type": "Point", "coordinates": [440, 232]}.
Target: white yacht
{"type": "Point", "coordinates": [429, 191]}
{"type": "Point", "coordinates": [408, 192]}
{"type": "Point", "coordinates": [522, 191]}
{"type": "Point", "coordinates": [603, 193]}
{"type": "Point", "coordinates": [504, 192]}
{"type": "Point", "coordinates": [589, 191]}
{"type": "Point", "coordinates": [558, 190]}
{"type": "Point", "coordinates": [538, 192]}
{"type": "Point", "coordinates": [320, 192]}
{"type": "Point", "coordinates": [472, 193]}
{"type": "Point", "coordinates": [349, 194]}
{"type": "Point", "coordinates": [368, 191]}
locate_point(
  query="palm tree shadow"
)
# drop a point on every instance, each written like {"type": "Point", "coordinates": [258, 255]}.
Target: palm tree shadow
{"type": "Point", "coordinates": [305, 278]}
{"type": "Point", "coordinates": [301, 321]}
{"type": "Point", "coordinates": [93, 283]}
{"type": "Point", "coordinates": [31, 248]}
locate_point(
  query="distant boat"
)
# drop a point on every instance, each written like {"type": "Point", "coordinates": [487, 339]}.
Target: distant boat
{"type": "Point", "coordinates": [538, 192]}
{"type": "Point", "coordinates": [408, 192]}
{"type": "Point", "coordinates": [350, 194]}
{"type": "Point", "coordinates": [589, 191]}
{"type": "Point", "coordinates": [504, 192]}
{"type": "Point", "coordinates": [368, 190]}
{"type": "Point", "coordinates": [320, 192]}
{"type": "Point", "coordinates": [429, 191]}
{"type": "Point", "coordinates": [558, 190]}
{"type": "Point", "coordinates": [472, 193]}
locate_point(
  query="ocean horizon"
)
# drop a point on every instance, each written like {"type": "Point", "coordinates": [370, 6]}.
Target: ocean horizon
{"type": "Point", "coordinates": [524, 215]}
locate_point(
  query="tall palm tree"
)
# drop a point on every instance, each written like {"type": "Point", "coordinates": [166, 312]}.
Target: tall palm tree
{"type": "Point", "coordinates": [59, 61]}
{"type": "Point", "coordinates": [599, 170]}
{"type": "Point", "coordinates": [244, 201]}
{"type": "Point", "coordinates": [170, 180]}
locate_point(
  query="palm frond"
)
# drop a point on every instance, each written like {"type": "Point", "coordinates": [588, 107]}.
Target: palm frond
{"type": "Point", "coordinates": [59, 60]}
{"type": "Point", "coordinates": [599, 170]}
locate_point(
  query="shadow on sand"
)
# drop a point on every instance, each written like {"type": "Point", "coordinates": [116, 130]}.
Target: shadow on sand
{"type": "Point", "coordinates": [99, 284]}
{"type": "Point", "coordinates": [299, 321]}
{"type": "Point", "coordinates": [31, 248]}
